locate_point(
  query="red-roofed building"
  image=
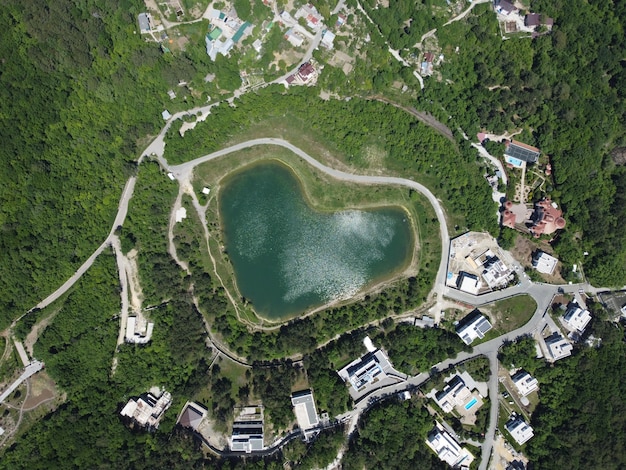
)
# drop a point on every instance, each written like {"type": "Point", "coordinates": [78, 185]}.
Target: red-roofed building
{"type": "Point", "coordinates": [546, 218]}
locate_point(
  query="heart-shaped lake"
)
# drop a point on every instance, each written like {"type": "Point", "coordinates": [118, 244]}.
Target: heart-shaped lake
{"type": "Point", "coordinates": [289, 258]}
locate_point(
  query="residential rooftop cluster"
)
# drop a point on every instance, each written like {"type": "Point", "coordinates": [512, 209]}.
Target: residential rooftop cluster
{"type": "Point", "coordinates": [227, 30]}
{"type": "Point", "coordinates": [476, 265]}
{"type": "Point", "coordinates": [512, 21]}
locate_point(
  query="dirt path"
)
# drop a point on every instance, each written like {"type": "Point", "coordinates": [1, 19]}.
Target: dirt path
{"type": "Point", "coordinates": [134, 286]}
{"type": "Point", "coordinates": [33, 335]}
{"type": "Point", "coordinates": [171, 246]}
{"type": "Point", "coordinates": [7, 346]}
{"type": "Point", "coordinates": [426, 118]}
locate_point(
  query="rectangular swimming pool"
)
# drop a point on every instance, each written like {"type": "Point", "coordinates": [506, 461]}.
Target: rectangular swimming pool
{"type": "Point", "coordinates": [471, 403]}
{"type": "Point", "coordinates": [514, 161]}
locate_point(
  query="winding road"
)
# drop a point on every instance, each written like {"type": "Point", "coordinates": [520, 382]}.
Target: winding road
{"type": "Point", "coordinates": [542, 293]}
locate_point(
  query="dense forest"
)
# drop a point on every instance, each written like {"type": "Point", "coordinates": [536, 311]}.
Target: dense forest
{"type": "Point", "coordinates": [78, 90]}
{"type": "Point", "coordinates": [391, 436]}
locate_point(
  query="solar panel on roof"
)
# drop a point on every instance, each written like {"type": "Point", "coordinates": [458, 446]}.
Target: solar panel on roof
{"type": "Point", "coordinates": [521, 153]}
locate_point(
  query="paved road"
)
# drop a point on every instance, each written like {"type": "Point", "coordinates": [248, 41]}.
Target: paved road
{"type": "Point", "coordinates": [30, 370]}
{"type": "Point", "coordinates": [127, 193]}
{"type": "Point", "coordinates": [542, 293]}
{"type": "Point", "coordinates": [184, 173]}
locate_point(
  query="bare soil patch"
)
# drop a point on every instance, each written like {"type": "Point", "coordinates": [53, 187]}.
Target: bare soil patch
{"type": "Point", "coordinates": [522, 251]}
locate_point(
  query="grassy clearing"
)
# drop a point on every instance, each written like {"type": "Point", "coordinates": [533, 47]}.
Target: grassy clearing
{"type": "Point", "coordinates": [512, 313]}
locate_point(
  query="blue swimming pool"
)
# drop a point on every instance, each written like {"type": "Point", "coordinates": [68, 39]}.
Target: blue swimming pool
{"type": "Point", "coordinates": [514, 161]}
{"type": "Point", "coordinates": [471, 403]}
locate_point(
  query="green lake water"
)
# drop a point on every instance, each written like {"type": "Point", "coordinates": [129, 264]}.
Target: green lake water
{"type": "Point", "coordinates": [289, 257]}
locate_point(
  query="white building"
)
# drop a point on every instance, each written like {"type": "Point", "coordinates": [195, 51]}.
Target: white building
{"type": "Point", "coordinates": [138, 334]}
{"type": "Point", "coordinates": [576, 318]}
{"type": "Point", "coordinates": [248, 431]}
{"type": "Point", "coordinates": [311, 16]}
{"type": "Point", "coordinates": [328, 39]}
{"type": "Point", "coordinates": [148, 410]}
{"type": "Point", "coordinates": [496, 273]}
{"type": "Point", "coordinates": [455, 393]}
{"type": "Point", "coordinates": [166, 115]}
{"type": "Point", "coordinates": [366, 370]}
{"type": "Point", "coordinates": [519, 430]}
{"type": "Point", "coordinates": [144, 22]}
{"type": "Point", "coordinates": [525, 383]}
{"type": "Point", "coordinates": [558, 347]}
{"type": "Point", "coordinates": [467, 282]}
{"type": "Point", "coordinates": [474, 326]}
{"type": "Point", "coordinates": [544, 263]}
{"type": "Point", "coordinates": [294, 39]}
{"type": "Point", "coordinates": [447, 448]}
{"type": "Point", "coordinates": [306, 414]}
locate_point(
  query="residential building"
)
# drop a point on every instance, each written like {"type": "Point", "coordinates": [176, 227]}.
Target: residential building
{"type": "Point", "coordinates": [138, 334]}
{"type": "Point", "coordinates": [576, 317]}
{"type": "Point", "coordinates": [247, 433]}
{"type": "Point", "coordinates": [519, 430]}
{"type": "Point", "coordinates": [558, 347]}
{"type": "Point", "coordinates": [455, 393]}
{"type": "Point", "coordinates": [217, 46]}
{"type": "Point", "coordinates": [427, 64]}
{"type": "Point", "coordinates": [518, 151]}
{"type": "Point", "coordinates": [467, 282]}
{"type": "Point", "coordinates": [544, 263]}
{"type": "Point", "coordinates": [192, 415]}
{"type": "Point", "coordinates": [496, 274]}
{"type": "Point", "coordinates": [294, 39]}
{"type": "Point", "coordinates": [366, 370]}
{"type": "Point", "coordinates": [306, 414]}
{"type": "Point", "coordinates": [535, 19]}
{"type": "Point", "coordinates": [144, 22]}
{"type": "Point", "coordinates": [448, 449]}
{"type": "Point", "coordinates": [306, 75]}
{"type": "Point", "coordinates": [311, 16]}
{"type": "Point", "coordinates": [546, 218]}
{"type": "Point", "coordinates": [473, 326]}
{"type": "Point", "coordinates": [504, 7]}
{"type": "Point", "coordinates": [515, 214]}
{"type": "Point", "coordinates": [147, 410]}
{"type": "Point", "coordinates": [327, 39]}
{"type": "Point", "coordinates": [241, 32]}
{"type": "Point", "coordinates": [525, 383]}
{"type": "Point", "coordinates": [166, 115]}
